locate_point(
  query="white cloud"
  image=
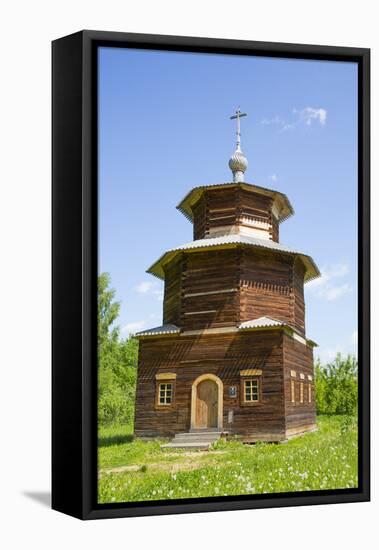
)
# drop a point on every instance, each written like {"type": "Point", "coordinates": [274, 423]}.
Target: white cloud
{"type": "Point", "coordinates": [310, 114]}
{"type": "Point", "coordinates": [150, 288]}
{"type": "Point", "coordinates": [334, 292]}
{"type": "Point", "coordinates": [328, 273]}
{"type": "Point", "coordinates": [273, 178]}
{"type": "Point", "coordinates": [288, 126]}
{"type": "Point", "coordinates": [307, 116]}
{"type": "Point", "coordinates": [144, 287]}
{"type": "Point", "coordinates": [276, 120]}
{"type": "Point", "coordinates": [326, 287]}
{"type": "Point", "coordinates": [133, 326]}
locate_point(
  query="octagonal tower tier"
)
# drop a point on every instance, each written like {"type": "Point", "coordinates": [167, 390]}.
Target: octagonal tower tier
{"type": "Point", "coordinates": [235, 271]}
{"type": "Point", "coordinates": [235, 208]}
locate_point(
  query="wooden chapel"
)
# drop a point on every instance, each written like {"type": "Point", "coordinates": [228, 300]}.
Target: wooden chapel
{"type": "Point", "coordinates": [231, 356]}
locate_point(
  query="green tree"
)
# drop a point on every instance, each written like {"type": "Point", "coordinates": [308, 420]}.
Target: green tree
{"type": "Point", "coordinates": [337, 386]}
{"type": "Point", "coordinates": [117, 361]}
{"type": "Point", "coordinates": [107, 310]}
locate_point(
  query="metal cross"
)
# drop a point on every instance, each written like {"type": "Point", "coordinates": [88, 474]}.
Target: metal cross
{"type": "Point", "coordinates": [237, 116]}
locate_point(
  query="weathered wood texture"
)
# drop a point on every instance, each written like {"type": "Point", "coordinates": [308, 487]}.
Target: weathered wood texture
{"type": "Point", "coordinates": [172, 292]}
{"type": "Point", "coordinates": [258, 207]}
{"type": "Point", "coordinates": [222, 207]}
{"type": "Point", "coordinates": [298, 296]}
{"type": "Point", "coordinates": [200, 218]}
{"type": "Point", "coordinates": [298, 358]}
{"type": "Point", "coordinates": [233, 206]}
{"type": "Point", "coordinates": [206, 404]}
{"type": "Point", "coordinates": [275, 229]}
{"type": "Point", "coordinates": [224, 356]}
{"type": "Point", "coordinates": [267, 287]}
{"type": "Point", "coordinates": [209, 289]}
{"type": "Point", "coordinates": [220, 288]}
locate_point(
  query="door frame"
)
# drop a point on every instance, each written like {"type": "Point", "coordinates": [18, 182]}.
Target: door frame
{"type": "Point", "coordinates": [220, 386]}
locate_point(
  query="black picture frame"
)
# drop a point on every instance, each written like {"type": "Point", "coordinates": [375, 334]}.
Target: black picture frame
{"type": "Point", "coordinates": [74, 272]}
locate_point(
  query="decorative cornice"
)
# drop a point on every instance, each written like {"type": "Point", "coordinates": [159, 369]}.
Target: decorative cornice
{"type": "Point", "coordinates": [165, 376]}
{"type": "Point", "coordinates": [251, 372]}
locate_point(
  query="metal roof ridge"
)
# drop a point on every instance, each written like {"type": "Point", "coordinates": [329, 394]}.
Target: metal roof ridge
{"type": "Point", "coordinates": [162, 329]}
{"type": "Point", "coordinates": [264, 317]}
{"type": "Point", "coordinates": [238, 239]}
{"type": "Point", "coordinates": [259, 188]}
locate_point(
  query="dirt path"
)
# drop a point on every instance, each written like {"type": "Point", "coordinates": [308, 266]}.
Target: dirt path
{"type": "Point", "coordinates": [171, 467]}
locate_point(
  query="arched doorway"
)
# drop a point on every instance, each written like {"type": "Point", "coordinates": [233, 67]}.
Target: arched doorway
{"type": "Point", "coordinates": [206, 403]}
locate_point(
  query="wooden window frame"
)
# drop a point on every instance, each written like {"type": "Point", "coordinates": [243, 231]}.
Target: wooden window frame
{"type": "Point", "coordinates": [245, 379]}
{"type": "Point", "coordinates": [293, 391]}
{"type": "Point", "coordinates": [158, 384]}
{"type": "Point", "coordinates": [309, 393]}
{"type": "Point", "coordinates": [301, 392]}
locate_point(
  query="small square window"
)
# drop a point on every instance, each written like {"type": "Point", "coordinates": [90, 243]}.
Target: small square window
{"type": "Point", "coordinates": [165, 393]}
{"type": "Point", "coordinates": [251, 390]}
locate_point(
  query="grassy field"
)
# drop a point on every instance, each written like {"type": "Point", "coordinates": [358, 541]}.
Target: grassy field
{"type": "Point", "coordinates": [135, 470]}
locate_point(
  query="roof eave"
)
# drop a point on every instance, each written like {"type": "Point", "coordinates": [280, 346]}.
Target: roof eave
{"type": "Point", "coordinates": [193, 196]}
{"type": "Point", "coordinates": [157, 269]}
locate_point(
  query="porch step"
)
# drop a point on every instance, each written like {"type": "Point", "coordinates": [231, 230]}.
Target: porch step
{"type": "Point", "coordinates": [200, 440]}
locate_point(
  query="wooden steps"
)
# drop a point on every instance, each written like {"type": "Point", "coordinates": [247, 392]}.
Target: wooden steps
{"type": "Point", "coordinates": [195, 440]}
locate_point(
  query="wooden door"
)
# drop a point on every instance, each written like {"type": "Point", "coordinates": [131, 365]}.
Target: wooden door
{"type": "Point", "coordinates": [207, 404]}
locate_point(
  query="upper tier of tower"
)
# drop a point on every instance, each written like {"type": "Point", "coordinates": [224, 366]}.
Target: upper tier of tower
{"type": "Point", "coordinates": [236, 208]}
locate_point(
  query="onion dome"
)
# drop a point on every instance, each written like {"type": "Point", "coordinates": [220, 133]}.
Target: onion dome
{"type": "Point", "coordinates": [238, 165]}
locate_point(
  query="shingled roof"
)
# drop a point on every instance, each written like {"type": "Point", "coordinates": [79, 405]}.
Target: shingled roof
{"type": "Point", "coordinates": [253, 324]}
{"type": "Point", "coordinates": [281, 200]}
{"type": "Point", "coordinates": [311, 269]}
{"type": "Point", "coordinates": [163, 329]}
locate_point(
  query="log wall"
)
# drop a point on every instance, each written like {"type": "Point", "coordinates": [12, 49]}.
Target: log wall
{"type": "Point", "coordinates": [298, 359]}
{"type": "Point", "coordinates": [270, 286]}
{"type": "Point", "coordinates": [210, 289]}
{"type": "Point", "coordinates": [225, 356]}
{"type": "Point", "coordinates": [172, 292]}
{"type": "Point", "coordinates": [200, 218]}
{"type": "Point", "coordinates": [221, 288]}
{"type": "Point", "coordinates": [233, 206]}
{"type": "Point", "coordinates": [298, 296]}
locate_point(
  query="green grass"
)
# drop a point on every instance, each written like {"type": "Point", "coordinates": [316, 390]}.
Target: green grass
{"type": "Point", "coordinates": [326, 459]}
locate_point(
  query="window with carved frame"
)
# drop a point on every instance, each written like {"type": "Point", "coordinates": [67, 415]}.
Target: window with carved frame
{"type": "Point", "coordinates": [251, 390]}
{"type": "Point", "coordinates": [165, 390]}
{"type": "Point", "coordinates": [165, 393]}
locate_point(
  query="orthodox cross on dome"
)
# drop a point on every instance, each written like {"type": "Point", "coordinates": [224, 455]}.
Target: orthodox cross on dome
{"type": "Point", "coordinates": [237, 116]}
{"type": "Point", "coordinates": [238, 162]}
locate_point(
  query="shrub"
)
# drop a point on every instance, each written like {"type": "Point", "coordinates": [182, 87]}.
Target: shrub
{"type": "Point", "coordinates": [117, 362]}
{"type": "Point", "coordinates": [337, 386]}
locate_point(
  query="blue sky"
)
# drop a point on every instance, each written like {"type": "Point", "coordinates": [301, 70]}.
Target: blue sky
{"type": "Point", "coordinates": [164, 128]}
